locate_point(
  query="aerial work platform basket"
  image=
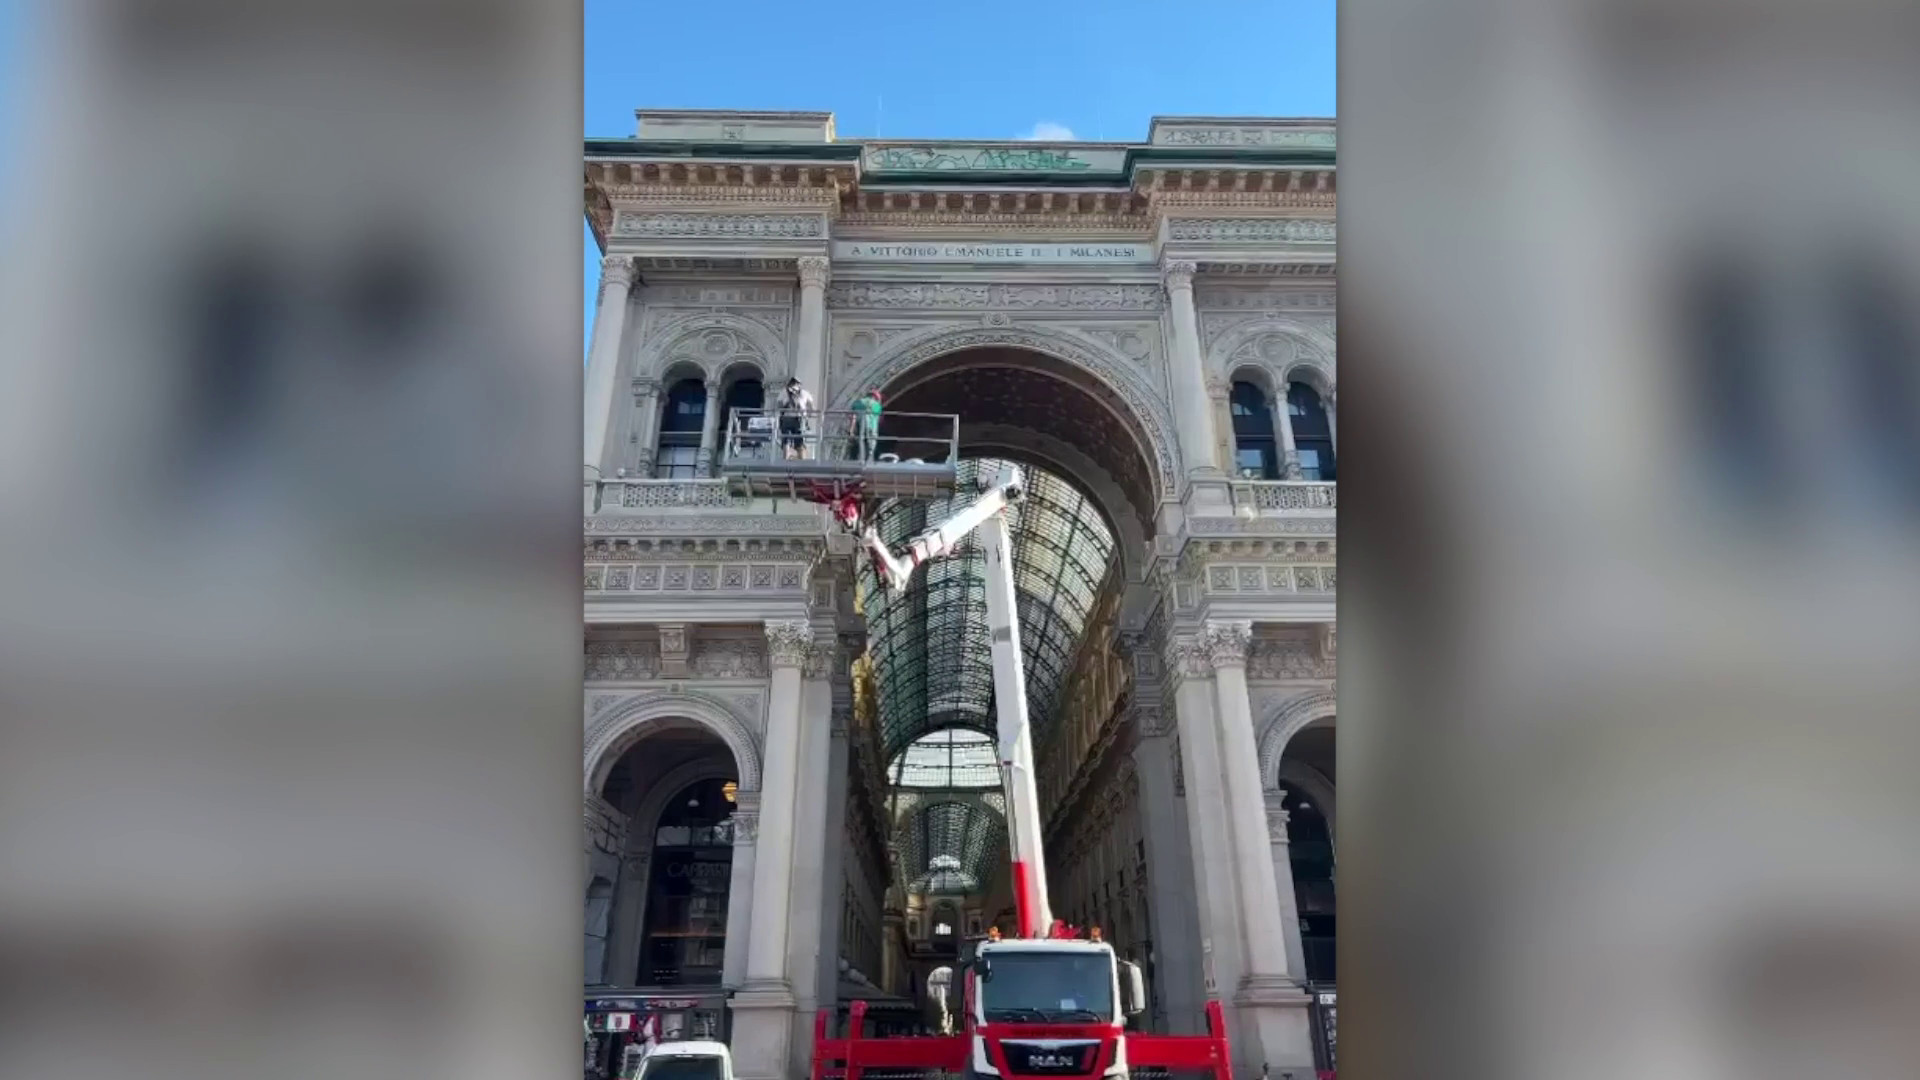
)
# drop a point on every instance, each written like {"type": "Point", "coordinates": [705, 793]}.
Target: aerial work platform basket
{"type": "Point", "coordinates": [799, 455]}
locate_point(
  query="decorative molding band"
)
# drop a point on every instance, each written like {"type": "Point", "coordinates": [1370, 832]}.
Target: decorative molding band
{"type": "Point", "coordinates": [719, 295]}
{"type": "Point", "coordinates": [695, 577]}
{"type": "Point", "coordinates": [720, 226]}
{"type": "Point", "coordinates": [1241, 580]}
{"type": "Point", "coordinates": [1231, 298]}
{"type": "Point", "coordinates": [942, 296]}
{"type": "Point", "coordinates": [1200, 527]}
{"type": "Point", "coordinates": [731, 525]}
{"type": "Point", "coordinates": [1285, 495]}
{"type": "Point", "coordinates": [672, 493]}
{"type": "Point", "coordinates": [1252, 230]}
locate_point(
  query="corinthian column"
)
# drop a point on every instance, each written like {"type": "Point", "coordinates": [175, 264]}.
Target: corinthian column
{"type": "Point", "coordinates": [1266, 944]}
{"type": "Point", "coordinates": [746, 838]}
{"type": "Point", "coordinates": [711, 424]}
{"type": "Point", "coordinates": [1274, 1020]}
{"type": "Point", "coordinates": [809, 353]}
{"type": "Point", "coordinates": [1190, 676]}
{"type": "Point", "coordinates": [763, 1006]}
{"type": "Point", "coordinates": [1189, 376]}
{"type": "Point", "coordinates": [603, 356]}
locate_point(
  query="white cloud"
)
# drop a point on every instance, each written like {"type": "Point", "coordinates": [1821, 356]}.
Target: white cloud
{"type": "Point", "coordinates": [1048, 131]}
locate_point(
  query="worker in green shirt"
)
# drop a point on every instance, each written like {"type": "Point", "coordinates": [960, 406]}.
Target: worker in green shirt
{"type": "Point", "coordinates": [866, 413]}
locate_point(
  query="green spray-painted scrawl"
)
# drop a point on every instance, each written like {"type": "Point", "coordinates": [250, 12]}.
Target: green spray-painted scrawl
{"type": "Point", "coordinates": [973, 159]}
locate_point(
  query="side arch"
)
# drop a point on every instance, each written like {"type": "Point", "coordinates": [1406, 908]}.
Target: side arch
{"type": "Point", "coordinates": [618, 727]}
{"type": "Point", "coordinates": [1286, 721]}
{"type": "Point", "coordinates": [1311, 360]}
{"type": "Point", "coordinates": [753, 344]}
{"type": "Point", "coordinates": [1145, 402]}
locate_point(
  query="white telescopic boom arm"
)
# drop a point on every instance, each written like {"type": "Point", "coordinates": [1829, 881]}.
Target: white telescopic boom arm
{"type": "Point", "coordinates": [1009, 677]}
{"type": "Point", "coordinates": [937, 541]}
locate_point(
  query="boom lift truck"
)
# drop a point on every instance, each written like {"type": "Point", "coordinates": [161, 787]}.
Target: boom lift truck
{"type": "Point", "coordinates": [1051, 1002]}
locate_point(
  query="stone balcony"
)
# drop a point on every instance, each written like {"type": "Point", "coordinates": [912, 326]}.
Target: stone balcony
{"type": "Point", "coordinates": [1291, 498]}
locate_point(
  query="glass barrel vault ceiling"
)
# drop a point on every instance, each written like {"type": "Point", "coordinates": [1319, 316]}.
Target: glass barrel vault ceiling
{"type": "Point", "coordinates": [929, 644]}
{"type": "Point", "coordinates": [953, 846]}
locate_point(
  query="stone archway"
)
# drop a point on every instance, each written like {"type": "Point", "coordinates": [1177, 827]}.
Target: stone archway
{"type": "Point", "coordinates": [736, 340]}
{"type": "Point", "coordinates": [1130, 394]}
{"type": "Point", "coordinates": [1293, 715]}
{"type": "Point", "coordinates": [1306, 356]}
{"type": "Point", "coordinates": [617, 726]}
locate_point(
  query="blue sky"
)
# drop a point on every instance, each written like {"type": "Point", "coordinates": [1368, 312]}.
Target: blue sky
{"type": "Point", "coordinates": [985, 69]}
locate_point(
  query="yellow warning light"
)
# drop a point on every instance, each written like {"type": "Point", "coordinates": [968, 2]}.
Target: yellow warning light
{"type": "Point", "coordinates": [1093, 933]}
{"type": "Point", "coordinates": [993, 933]}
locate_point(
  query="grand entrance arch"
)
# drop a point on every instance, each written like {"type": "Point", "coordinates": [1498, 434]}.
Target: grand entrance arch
{"type": "Point", "coordinates": [1035, 391]}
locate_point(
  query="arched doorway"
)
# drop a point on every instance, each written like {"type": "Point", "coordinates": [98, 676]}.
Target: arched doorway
{"type": "Point", "coordinates": [674, 783]}
{"type": "Point", "coordinates": [683, 940]}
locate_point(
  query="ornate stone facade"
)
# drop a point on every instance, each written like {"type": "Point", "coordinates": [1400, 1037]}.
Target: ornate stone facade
{"type": "Point", "coordinates": [1093, 329]}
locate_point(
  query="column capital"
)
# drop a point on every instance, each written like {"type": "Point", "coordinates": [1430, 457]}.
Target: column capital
{"type": "Point", "coordinates": [815, 271]}
{"type": "Point", "coordinates": [823, 658]}
{"type": "Point", "coordinates": [644, 385]}
{"type": "Point", "coordinates": [1178, 273]}
{"type": "Point", "coordinates": [788, 642]}
{"type": "Point", "coordinates": [616, 269]}
{"type": "Point", "coordinates": [1277, 816]}
{"type": "Point", "coordinates": [746, 828]}
{"type": "Point", "coordinates": [1189, 656]}
{"type": "Point", "coordinates": [1226, 643]}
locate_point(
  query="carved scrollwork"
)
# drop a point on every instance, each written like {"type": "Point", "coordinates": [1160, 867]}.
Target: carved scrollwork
{"type": "Point", "coordinates": [1190, 656]}
{"type": "Point", "coordinates": [815, 271]}
{"type": "Point", "coordinates": [1178, 274]}
{"type": "Point", "coordinates": [746, 827]}
{"type": "Point", "coordinates": [789, 641]}
{"type": "Point", "coordinates": [1226, 643]}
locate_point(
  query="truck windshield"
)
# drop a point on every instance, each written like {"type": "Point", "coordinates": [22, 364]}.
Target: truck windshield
{"type": "Point", "coordinates": [663, 1067]}
{"type": "Point", "coordinates": [1043, 987]}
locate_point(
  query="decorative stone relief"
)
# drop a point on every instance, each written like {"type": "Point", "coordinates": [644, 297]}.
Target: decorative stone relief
{"type": "Point", "coordinates": [1260, 526]}
{"type": "Point", "coordinates": [861, 343]}
{"type": "Point", "coordinates": [622, 659]}
{"type": "Point", "coordinates": [720, 226]}
{"type": "Point", "coordinates": [647, 494]}
{"type": "Point", "coordinates": [720, 295]}
{"type": "Point", "coordinates": [1246, 136]}
{"type": "Point", "coordinates": [1190, 656]}
{"type": "Point", "coordinates": [814, 270]}
{"type": "Point", "coordinates": [746, 828]}
{"type": "Point", "coordinates": [1269, 579]}
{"type": "Point", "coordinates": [788, 642]}
{"type": "Point", "coordinates": [730, 659]}
{"type": "Point", "coordinates": [1277, 816]}
{"type": "Point", "coordinates": [1241, 297]}
{"type": "Point", "coordinates": [734, 525]}
{"type": "Point", "coordinates": [1134, 342]}
{"type": "Point", "coordinates": [1226, 643]}
{"type": "Point", "coordinates": [1252, 230]}
{"type": "Point", "coordinates": [1178, 274]}
{"type": "Point", "coordinates": [947, 296]}
{"type": "Point", "coordinates": [1287, 659]}
{"type": "Point", "coordinates": [673, 647]}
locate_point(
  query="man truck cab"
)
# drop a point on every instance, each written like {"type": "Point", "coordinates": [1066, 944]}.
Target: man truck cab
{"type": "Point", "coordinates": [1050, 1006]}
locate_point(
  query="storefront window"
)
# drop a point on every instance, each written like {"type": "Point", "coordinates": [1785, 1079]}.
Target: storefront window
{"type": "Point", "coordinates": [686, 923]}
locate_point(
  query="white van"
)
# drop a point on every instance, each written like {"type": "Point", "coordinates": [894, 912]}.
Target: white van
{"type": "Point", "coordinates": [695, 1059]}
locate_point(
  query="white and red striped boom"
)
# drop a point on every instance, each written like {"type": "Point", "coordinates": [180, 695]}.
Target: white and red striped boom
{"type": "Point", "coordinates": [986, 514]}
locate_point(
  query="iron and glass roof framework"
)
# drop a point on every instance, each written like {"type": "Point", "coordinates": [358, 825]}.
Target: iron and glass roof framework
{"type": "Point", "coordinates": [932, 663]}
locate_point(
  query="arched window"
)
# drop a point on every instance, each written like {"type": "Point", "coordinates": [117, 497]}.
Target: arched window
{"type": "Point", "coordinates": [1312, 434]}
{"type": "Point", "coordinates": [743, 394]}
{"type": "Point", "coordinates": [681, 423]}
{"type": "Point", "coordinates": [686, 924]}
{"type": "Point", "coordinates": [1310, 851]}
{"type": "Point", "coordinates": [1255, 452]}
